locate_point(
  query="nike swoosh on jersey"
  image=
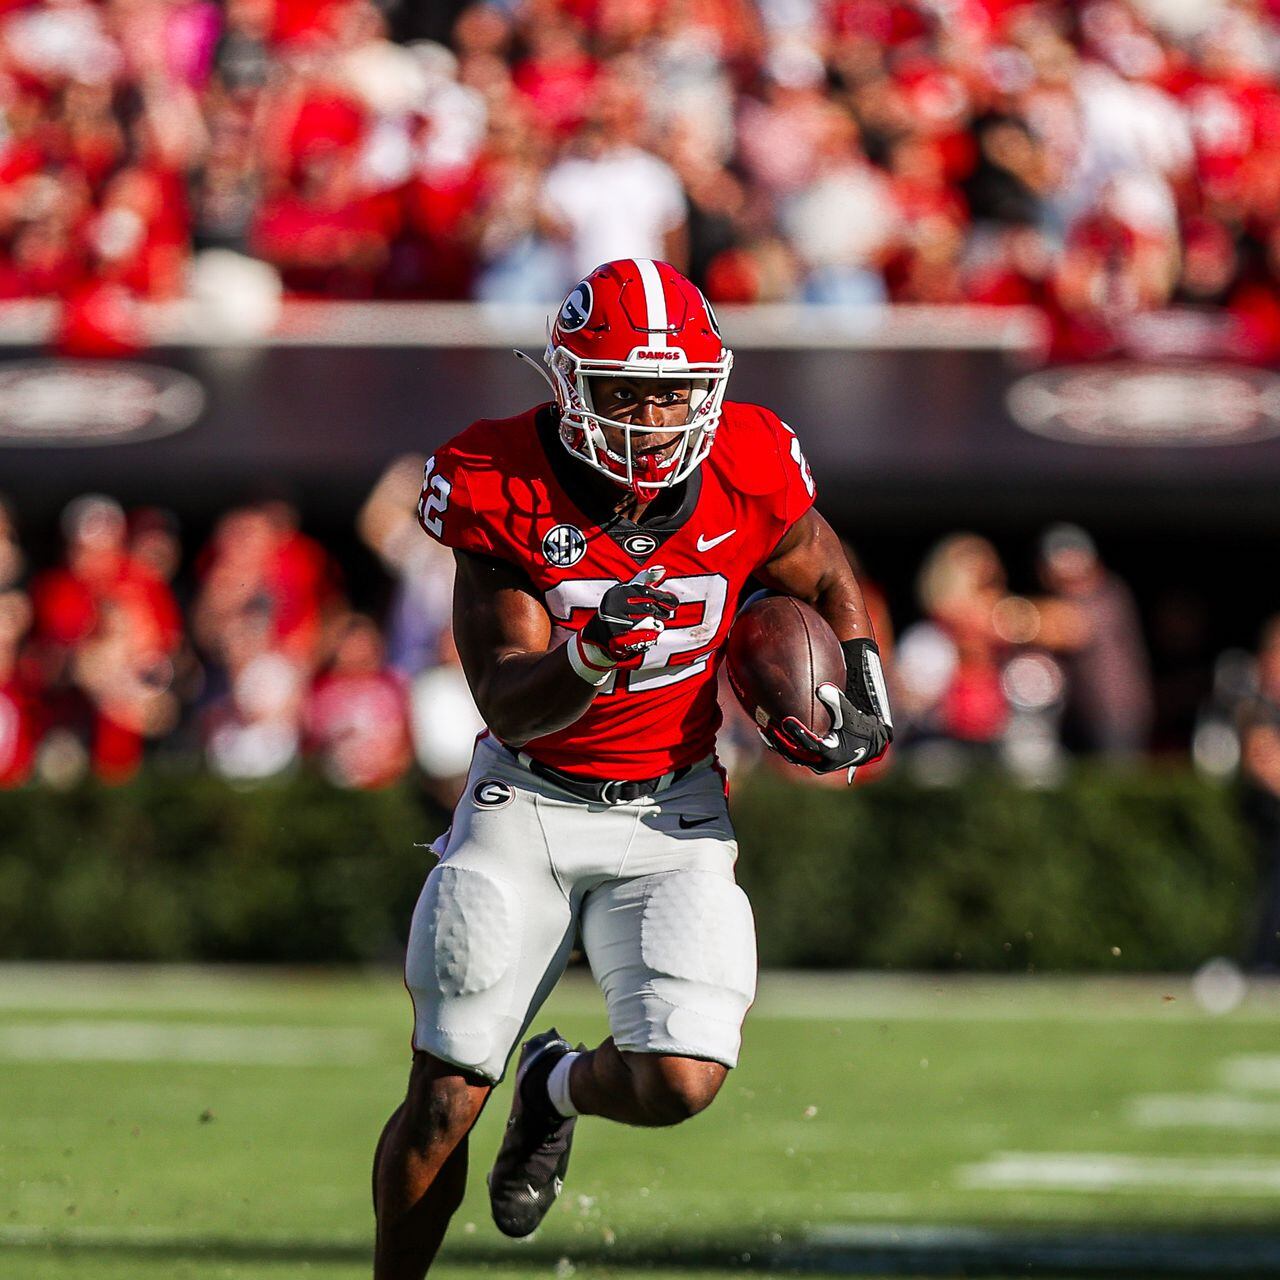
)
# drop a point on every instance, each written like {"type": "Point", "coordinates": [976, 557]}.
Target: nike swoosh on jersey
{"type": "Point", "coordinates": [705, 543]}
{"type": "Point", "coordinates": [686, 823]}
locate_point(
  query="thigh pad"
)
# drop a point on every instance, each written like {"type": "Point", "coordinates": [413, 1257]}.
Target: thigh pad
{"type": "Point", "coordinates": [475, 922]}
{"type": "Point", "coordinates": [675, 956]}
{"type": "Point", "coordinates": [697, 926]}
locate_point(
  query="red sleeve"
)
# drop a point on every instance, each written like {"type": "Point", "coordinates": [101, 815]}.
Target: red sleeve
{"type": "Point", "coordinates": [770, 463]}
{"type": "Point", "coordinates": [452, 507]}
{"type": "Point", "coordinates": [798, 491]}
{"type": "Point", "coordinates": [758, 455]}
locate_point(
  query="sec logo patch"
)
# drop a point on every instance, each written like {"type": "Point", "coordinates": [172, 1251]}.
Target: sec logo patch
{"type": "Point", "coordinates": [490, 793]}
{"type": "Point", "coordinates": [564, 545]}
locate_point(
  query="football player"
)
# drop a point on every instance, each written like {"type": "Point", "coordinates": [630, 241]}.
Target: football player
{"type": "Point", "coordinates": [602, 542]}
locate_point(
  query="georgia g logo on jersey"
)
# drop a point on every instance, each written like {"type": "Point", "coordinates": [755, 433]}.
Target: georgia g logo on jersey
{"type": "Point", "coordinates": [640, 545]}
{"type": "Point", "coordinates": [575, 311]}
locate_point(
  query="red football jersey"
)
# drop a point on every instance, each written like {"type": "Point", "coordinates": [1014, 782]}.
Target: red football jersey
{"type": "Point", "coordinates": [507, 487]}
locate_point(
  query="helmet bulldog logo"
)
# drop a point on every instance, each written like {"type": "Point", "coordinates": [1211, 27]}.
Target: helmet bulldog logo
{"type": "Point", "coordinates": [576, 309]}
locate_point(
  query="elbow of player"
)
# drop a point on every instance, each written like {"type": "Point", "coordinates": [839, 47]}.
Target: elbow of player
{"type": "Point", "coordinates": [506, 723]}
{"type": "Point", "coordinates": [515, 729]}
{"type": "Point", "coordinates": [513, 736]}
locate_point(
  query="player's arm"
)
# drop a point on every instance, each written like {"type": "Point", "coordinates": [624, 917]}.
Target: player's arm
{"type": "Point", "coordinates": [523, 688]}
{"type": "Point", "coordinates": [810, 564]}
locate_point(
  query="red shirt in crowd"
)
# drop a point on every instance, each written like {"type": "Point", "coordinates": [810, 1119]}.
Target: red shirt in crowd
{"type": "Point", "coordinates": [68, 604]}
{"type": "Point", "coordinates": [359, 722]}
{"type": "Point", "coordinates": [19, 729]}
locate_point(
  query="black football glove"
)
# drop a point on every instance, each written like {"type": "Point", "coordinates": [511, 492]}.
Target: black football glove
{"type": "Point", "coordinates": [861, 721]}
{"type": "Point", "coordinates": [629, 619]}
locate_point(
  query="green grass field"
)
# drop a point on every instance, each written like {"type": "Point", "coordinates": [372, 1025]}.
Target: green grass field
{"type": "Point", "coordinates": [181, 1123]}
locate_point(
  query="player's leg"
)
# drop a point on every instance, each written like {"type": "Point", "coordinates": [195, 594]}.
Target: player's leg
{"type": "Point", "coordinates": [420, 1167]}
{"type": "Point", "coordinates": [672, 945]}
{"type": "Point", "coordinates": [673, 949]}
{"type": "Point", "coordinates": [674, 953]}
{"type": "Point", "coordinates": [643, 1089]}
{"type": "Point", "coordinates": [635, 1088]}
{"type": "Point", "coordinates": [491, 934]}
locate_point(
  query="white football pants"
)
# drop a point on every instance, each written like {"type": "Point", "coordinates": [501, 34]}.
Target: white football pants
{"type": "Point", "coordinates": [668, 933]}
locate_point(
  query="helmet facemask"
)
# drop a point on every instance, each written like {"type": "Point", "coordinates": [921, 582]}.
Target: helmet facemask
{"type": "Point", "coordinates": [582, 426]}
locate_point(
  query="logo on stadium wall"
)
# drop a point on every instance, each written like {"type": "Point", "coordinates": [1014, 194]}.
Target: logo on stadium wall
{"type": "Point", "coordinates": [490, 793]}
{"type": "Point", "coordinates": [640, 545]}
{"type": "Point", "coordinates": [575, 311]}
{"type": "Point", "coordinates": [1132, 403]}
{"type": "Point", "coordinates": [564, 546]}
{"type": "Point", "coordinates": [93, 402]}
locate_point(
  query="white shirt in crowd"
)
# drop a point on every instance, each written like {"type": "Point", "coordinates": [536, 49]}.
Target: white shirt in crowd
{"type": "Point", "coordinates": [618, 205]}
{"type": "Point", "coordinates": [844, 219]}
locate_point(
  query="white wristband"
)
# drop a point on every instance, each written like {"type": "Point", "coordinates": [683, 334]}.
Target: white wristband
{"type": "Point", "coordinates": [879, 689]}
{"type": "Point", "coordinates": [588, 660]}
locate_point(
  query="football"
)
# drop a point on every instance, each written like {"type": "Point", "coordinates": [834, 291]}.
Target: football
{"type": "Point", "coordinates": [779, 652]}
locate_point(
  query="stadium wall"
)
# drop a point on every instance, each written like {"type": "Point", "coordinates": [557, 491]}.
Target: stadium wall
{"type": "Point", "coordinates": [909, 414]}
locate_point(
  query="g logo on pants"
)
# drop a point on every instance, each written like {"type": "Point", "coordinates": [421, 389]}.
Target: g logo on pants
{"type": "Point", "coordinates": [490, 793]}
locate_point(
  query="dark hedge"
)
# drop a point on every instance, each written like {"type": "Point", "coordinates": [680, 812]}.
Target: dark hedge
{"type": "Point", "coordinates": [986, 875]}
{"type": "Point", "coordinates": [993, 876]}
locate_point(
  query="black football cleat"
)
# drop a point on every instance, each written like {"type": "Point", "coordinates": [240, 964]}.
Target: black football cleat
{"type": "Point", "coordinates": [528, 1173]}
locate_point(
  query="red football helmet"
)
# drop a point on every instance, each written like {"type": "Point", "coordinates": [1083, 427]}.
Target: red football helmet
{"type": "Point", "coordinates": [637, 318]}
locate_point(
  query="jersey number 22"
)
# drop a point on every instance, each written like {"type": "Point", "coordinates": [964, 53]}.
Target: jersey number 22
{"type": "Point", "coordinates": [675, 656]}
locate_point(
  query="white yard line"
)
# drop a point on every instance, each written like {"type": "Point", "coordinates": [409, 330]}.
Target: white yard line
{"type": "Point", "coordinates": [221, 1044]}
{"type": "Point", "coordinates": [155, 988]}
{"type": "Point", "coordinates": [1251, 1071]}
{"type": "Point", "coordinates": [1087, 1171]}
{"type": "Point", "coordinates": [784, 995]}
{"type": "Point", "coordinates": [1202, 1111]}
{"type": "Point", "coordinates": [973, 998]}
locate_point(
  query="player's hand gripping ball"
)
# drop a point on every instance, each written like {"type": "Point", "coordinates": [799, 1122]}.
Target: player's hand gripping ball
{"type": "Point", "coordinates": [628, 621]}
{"type": "Point", "coordinates": [815, 701]}
{"type": "Point", "coordinates": [855, 737]}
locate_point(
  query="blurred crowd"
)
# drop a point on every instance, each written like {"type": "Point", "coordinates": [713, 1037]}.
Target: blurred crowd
{"type": "Point", "coordinates": [1114, 162]}
{"type": "Point", "coordinates": [245, 656]}
{"type": "Point", "coordinates": [249, 658]}
{"type": "Point", "coordinates": [1023, 678]}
